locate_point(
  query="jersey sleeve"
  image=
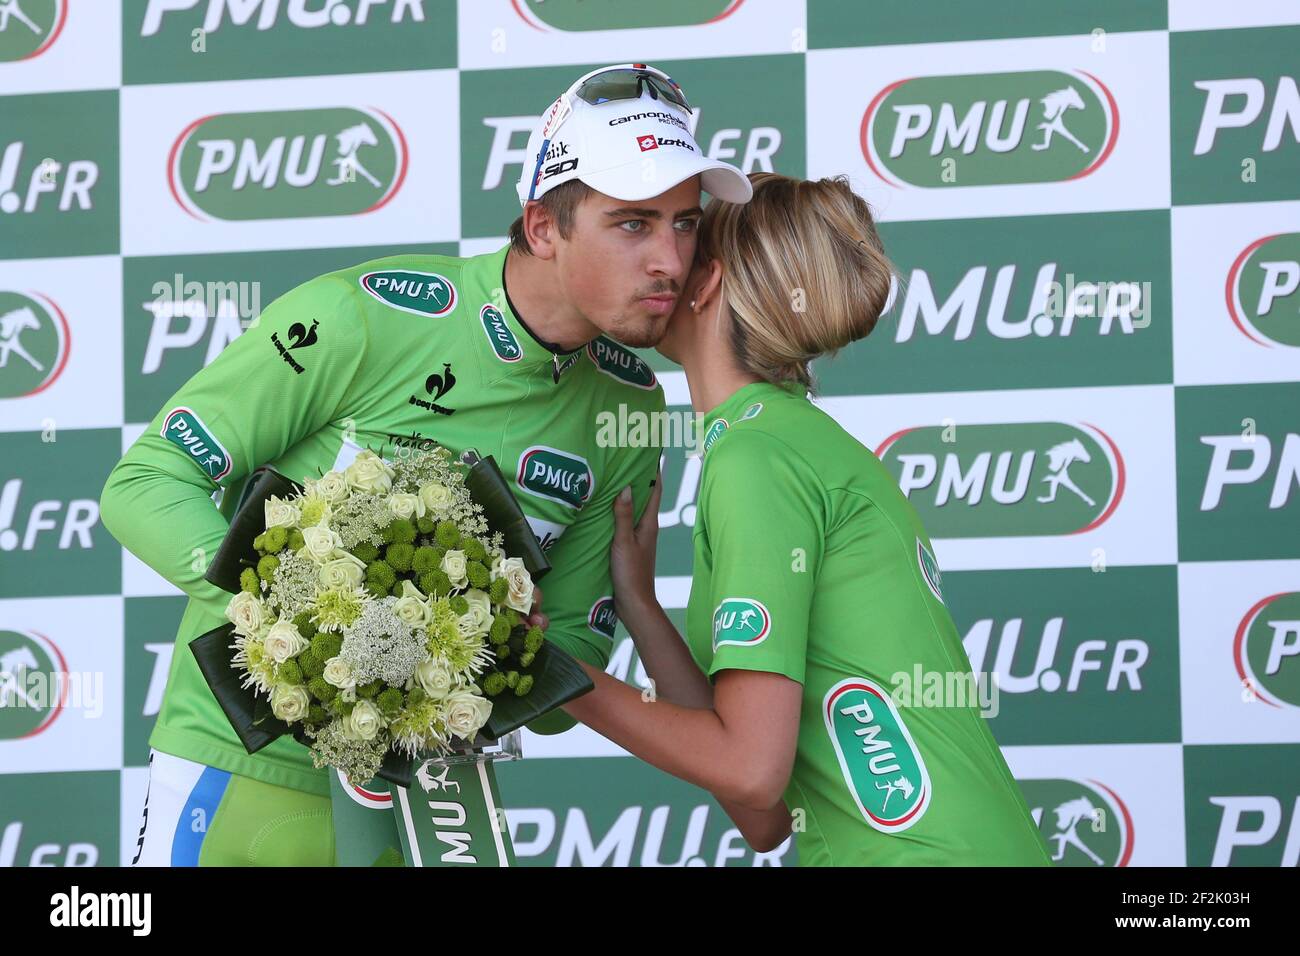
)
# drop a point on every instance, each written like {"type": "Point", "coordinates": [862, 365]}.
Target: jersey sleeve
{"type": "Point", "coordinates": [244, 409]}
{"type": "Point", "coordinates": [763, 511]}
{"type": "Point", "coordinates": [577, 594]}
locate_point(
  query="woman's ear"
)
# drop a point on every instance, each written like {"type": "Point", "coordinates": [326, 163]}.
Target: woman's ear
{"type": "Point", "coordinates": [707, 288]}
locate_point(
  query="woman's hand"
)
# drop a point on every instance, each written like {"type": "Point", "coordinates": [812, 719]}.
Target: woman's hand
{"type": "Point", "coordinates": [632, 555]}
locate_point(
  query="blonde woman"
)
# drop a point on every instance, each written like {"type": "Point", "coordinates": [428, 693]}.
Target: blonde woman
{"type": "Point", "coordinates": [813, 582]}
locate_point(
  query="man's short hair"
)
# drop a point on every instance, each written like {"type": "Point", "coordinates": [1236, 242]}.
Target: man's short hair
{"type": "Point", "coordinates": [562, 204]}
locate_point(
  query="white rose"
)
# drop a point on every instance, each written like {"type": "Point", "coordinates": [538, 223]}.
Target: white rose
{"type": "Point", "coordinates": [283, 641]}
{"type": "Point", "coordinates": [289, 702]}
{"type": "Point", "coordinates": [369, 473]}
{"type": "Point", "coordinates": [466, 713]}
{"type": "Point", "coordinates": [434, 678]}
{"type": "Point", "coordinates": [404, 505]}
{"type": "Point", "coordinates": [246, 612]}
{"type": "Point", "coordinates": [331, 486]}
{"type": "Point", "coordinates": [281, 513]}
{"type": "Point", "coordinates": [478, 619]}
{"type": "Point", "coordinates": [364, 722]}
{"type": "Point", "coordinates": [320, 543]}
{"type": "Point", "coordinates": [437, 497]}
{"type": "Point", "coordinates": [520, 583]}
{"type": "Point", "coordinates": [496, 560]}
{"type": "Point", "coordinates": [453, 562]}
{"type": "Point", "coordinates": [411, 606]}
{"type": "Point", "coordinates": [338, 674]}
{"type": "Point", "coordinates": [345, 572]}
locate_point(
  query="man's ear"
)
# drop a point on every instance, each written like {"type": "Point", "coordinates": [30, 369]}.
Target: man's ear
{"type": "Point", "coordinates": [539, 229]}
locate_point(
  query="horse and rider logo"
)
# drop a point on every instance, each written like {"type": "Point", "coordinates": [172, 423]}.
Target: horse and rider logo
{"type": "Point", "coordinates": [1083, 822]}
{"type": "Point", "coordinates": [34, 340]}
{"type": "Point", "coordinates": [31, 694]}
{"type": "Point", "coordinates": [29, 27]}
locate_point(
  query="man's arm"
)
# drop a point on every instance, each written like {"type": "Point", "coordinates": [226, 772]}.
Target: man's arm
{"type": "Point", "coordinates": [241, 411]}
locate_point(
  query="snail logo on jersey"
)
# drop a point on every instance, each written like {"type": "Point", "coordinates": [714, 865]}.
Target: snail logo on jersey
{"type": "Point", "coordinates": [882, 766]}
{"type": "Point", "coordinates": [741, 621]}
{"type": "Point", "coordinates": [30, 668]}
{"type": "Point", "coordinates": [622, 364]}
{"type": "Point", "coordinates": [1031, 478]}
{"type": "Point", "coordinates": [184, 429]}
{"type": "Point", "coordinates": [1084, 823]}
{"type": "Point", "coordinates": [992, 128]}
{"type": "Point", "coordinates": [499, 336]}
{"type": "Point", "coordinates": [601, 618]}
{"type": "Point", "coordinates": [714, 433]}
{"type": "Point", "coordinates": [273, 165]}
{"type": "Point", "coordinates": [301, 336]}
{"type": "Point", "coordinates": [29, 27]}
{"type": "Point", "coordinates": [420, 293]}
{"type": "Point", "coordinates": [34, 343]}
{"type": "Point", "coordinates": [1266, 649]}
{"type": "Point", "coordinates": [555, 475]}
{"type": "Point", "coordinates": [1263, 290]}
{"type": "Point", "coordinates": [929, 570]}
{"type": "Point", "coordinates": [576, 16]}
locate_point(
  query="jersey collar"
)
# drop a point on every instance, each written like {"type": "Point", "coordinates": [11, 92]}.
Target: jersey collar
{"type": "Point", "coordinates": [510, 347]}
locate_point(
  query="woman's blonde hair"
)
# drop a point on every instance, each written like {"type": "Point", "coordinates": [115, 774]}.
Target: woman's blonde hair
{"type": "Point", "coordinates": [804, 272]}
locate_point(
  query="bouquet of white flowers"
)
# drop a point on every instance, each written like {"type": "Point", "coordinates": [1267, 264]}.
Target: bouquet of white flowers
{"type": "Point", "coordinates": [381, 615]}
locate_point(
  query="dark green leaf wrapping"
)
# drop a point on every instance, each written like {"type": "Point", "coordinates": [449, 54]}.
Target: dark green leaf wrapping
{"type": "Point", "coordinates": [489, 489]}
{"type": "Point", "coordinates": [237, 551]}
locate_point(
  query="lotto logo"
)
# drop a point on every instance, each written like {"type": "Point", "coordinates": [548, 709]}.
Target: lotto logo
{"type": "Point", "coordinates": [647, 143]}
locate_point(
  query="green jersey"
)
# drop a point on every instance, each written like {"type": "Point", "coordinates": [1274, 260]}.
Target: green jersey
{"type": "Point", "coordinates": [809, 562]}
{"type": "Point", "coordinates": [392, 355]}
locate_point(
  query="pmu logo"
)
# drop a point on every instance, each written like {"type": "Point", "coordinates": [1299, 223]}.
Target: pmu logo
{"type": "Point", "coordinates": [1119, 662]}
{"type": "Point", "coordinates": [287, 164]}
{"type": "Point", "coordinates": [499, 336]}
{"type": "Point", "coordinates": [29, 667]}
{"type": "Point", "coordinates": [601, 618]}
{"type": "Point", "coordinates": [555, 475]}
{"type": "Point", "coordinates": [1254, 456]}
{"type": "Point", "coordinates": [1266, 650]}
{"type": "Point", "coordinates": [576, 16]}
{"type": "Point", "coordinates": [29, 27]}
{"type": "Point", "coordinates": [78, 176]}
{"type": "Point", "coordinates": [329, 13]}
{"type": "Point", "coordinates": [1239, 104]}
{"type": "Point", "coordinates": [882, 766]}
{"type": "Point", "coordinates": [34, 343]}
{"type": "Point", "coordinates": [622, 364]}
{"type": "Point", "coordinates": [1263, 290]}
{"type": "Point", "coordinates": [1007, 480]}
{"type": "Point", "coordinates": [989, 128]}
{"type": "Point", "coordinates": [1084, 822]}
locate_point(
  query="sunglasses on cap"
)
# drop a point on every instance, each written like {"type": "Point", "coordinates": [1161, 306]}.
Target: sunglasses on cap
{"type": "Point", "coordinates": [616, 83]}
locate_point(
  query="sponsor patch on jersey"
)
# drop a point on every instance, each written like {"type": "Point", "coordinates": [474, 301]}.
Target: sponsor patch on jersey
{"type": "Point", "coordinates": [601, 618]}
{"type": "Point", "coordinates": [741, 621]}
{"type": "Point", "coordinates": [503, 341]}
{"type": "Point", "coordinates": [715, 432]}
{"type": "Point", "coordinates": [930, 570]}
{"type": "Point", "coordinates": [420, 293]}
{"type": "Point", "coordinates": [555, 475]}
{"type": "Point", "coordinates": [882, 766]}
{"type": "Point", "coordinates": [546, 532]}
{"type": "Point", "coordinates": [620, 363]}
{"type": "Point", "coordinates": [751, 412]}
{"type": "Point", "coordinates": [186, 431]}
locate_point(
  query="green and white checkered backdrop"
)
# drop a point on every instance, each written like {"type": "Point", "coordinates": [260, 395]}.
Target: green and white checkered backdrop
{"type": "Point", "coordinates": [1088, 384]}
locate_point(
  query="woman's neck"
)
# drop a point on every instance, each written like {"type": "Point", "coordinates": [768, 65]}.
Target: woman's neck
{"type": "Point", "coordinates": [712, 375]}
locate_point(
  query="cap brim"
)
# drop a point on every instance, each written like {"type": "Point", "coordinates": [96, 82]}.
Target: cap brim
{"type": "Point", "coordinates": [718, 179]}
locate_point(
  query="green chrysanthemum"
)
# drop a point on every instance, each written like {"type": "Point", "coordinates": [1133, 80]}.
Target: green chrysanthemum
{"type": "Point", "coordinates": [462, 652]}
{"type": "Point", "coordinates": [336, 608]}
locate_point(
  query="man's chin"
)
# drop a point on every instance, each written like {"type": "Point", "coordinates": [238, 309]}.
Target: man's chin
{"type": "Point", "coordinates": [642, 335]}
